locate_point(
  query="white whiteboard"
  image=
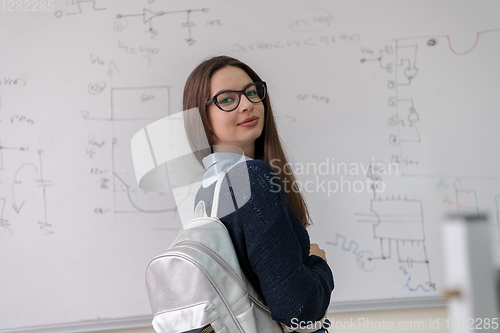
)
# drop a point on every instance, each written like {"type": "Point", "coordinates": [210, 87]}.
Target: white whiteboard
{"type": "Point", "coordinates": [412, 82]}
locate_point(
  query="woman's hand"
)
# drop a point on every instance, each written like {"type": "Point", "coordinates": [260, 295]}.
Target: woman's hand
{"type": "Point", "coordinates": [317, 251]}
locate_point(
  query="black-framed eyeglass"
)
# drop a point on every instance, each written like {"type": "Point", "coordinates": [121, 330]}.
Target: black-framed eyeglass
{"type": "Point", "coordinates": [228, 100]}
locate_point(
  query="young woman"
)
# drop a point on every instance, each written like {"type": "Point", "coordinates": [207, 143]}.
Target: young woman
{"type": "Point", "coordinates": [268, 227]}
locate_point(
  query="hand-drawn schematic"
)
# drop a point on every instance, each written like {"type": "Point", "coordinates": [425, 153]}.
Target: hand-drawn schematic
{"type": "Point", "coordinates": [23, 195]}
{"type": "Point", "coordinates": [86, 4]}
{"type": "Point", "coordinates": [131, 109]}
{"type": "Point", "coordinates": [465, 200]}
{"type": "Point", "coordinates": [406, 117]}
{"type": "Point", "coordinates": [398, 218]}
{"type": "Point", "coordinates": [147, 18]}
{"type": "Point", "coordinates": [24, 191]}
{"type": "Point", "coordinates": [400, 60]}
{"type": "Point", "coordinates": [400, 221]}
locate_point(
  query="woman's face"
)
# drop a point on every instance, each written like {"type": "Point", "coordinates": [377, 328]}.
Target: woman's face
{"type": "Point", "coordinates": [227, 127]}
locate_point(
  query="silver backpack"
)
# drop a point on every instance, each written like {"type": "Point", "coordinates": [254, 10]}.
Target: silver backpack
{"type": "Point", "coordinates": [197, 285]}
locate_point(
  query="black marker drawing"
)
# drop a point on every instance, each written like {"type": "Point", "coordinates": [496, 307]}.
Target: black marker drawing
{"type": "Point", "coordinates": [398, 221]}
{"type": "Point", "coordinates": [310, 19]}
{"type": "Point", "coordinates": [79, 4]}
{"type": "Point", "coordinates": [147, 18]}
{"type": "Point", "coordinates": [4, 223]}
{"type": "Point", "coordinates": [25, 196]}
{"type": "Point", "coordinates": [131, 109]}
{"type": "Point", "coordinates": [400, 60]}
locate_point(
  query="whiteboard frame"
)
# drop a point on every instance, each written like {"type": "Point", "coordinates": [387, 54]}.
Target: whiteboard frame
{"type": "Point", "coordinates": [145, 321]}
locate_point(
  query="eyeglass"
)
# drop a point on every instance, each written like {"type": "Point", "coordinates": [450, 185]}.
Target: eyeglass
{"type": "Point", "coordinates": [228, 100]}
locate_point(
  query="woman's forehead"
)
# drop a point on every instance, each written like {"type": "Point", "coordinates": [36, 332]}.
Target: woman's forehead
{"type": "Point", "coordinates": [229, 78]}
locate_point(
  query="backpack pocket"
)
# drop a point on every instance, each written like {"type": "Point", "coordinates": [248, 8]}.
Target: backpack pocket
{"type": "Point", "coordinates": [247, 320]}
{"type": "Point", "coordinates": [198, 318]}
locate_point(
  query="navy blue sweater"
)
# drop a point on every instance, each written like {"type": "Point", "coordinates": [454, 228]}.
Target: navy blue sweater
{"type": "Point", "coordinates": [272, 244]}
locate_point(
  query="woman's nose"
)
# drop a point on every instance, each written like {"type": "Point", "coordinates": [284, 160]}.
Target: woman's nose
{"type": "Point", "coordinates": [245, 103]}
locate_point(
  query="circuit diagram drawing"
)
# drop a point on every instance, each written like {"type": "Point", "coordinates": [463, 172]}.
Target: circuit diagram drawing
{"type": "Point", "coordinates": [421, 72]}
{"type": "Point", "coordinates": [131, 109]}
{"type": "Point", "coordinates": [151, 102]}
{"type": "Point", "coordinates": [80, 5]}
{"type": "Point", "coordinates": [23, 194]}
{"type": "Point", "coordinates": [149, 16]}
{"type": "Point", "coordinates": [400, 60]}
{"type": "Point", "coordinates": [464, 200]}
{"type": "Point", "coordinates": [23, 186]}
{"type": "Point", "coordinates": [398, 226]}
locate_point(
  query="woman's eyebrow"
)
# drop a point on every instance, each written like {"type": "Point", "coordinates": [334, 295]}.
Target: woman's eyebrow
{"type": "Point", "coordinates": [227, 90]}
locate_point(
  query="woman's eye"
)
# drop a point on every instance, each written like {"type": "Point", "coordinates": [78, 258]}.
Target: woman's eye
{"type": "Point", "coordinates": [251, 93]}
{"type": "Point", "coordinates": [226, 100]}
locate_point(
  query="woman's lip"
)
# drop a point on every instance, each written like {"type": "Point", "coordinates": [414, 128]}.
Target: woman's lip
{"type": "Point", "coordinates": [250, 123]}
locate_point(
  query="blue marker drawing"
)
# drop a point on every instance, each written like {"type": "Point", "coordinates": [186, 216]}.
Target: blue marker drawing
{"type": "Point", "coordinates": [366, 265]}
{"type": "Point", "coordinates": [407, 285]}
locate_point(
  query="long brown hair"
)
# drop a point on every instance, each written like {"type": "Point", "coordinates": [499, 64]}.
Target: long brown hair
{"type": "Point", "coordinates": [268, 147]}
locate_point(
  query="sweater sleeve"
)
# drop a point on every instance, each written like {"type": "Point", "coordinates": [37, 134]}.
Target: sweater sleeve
{"type": "Point", "coordinates": [293, 284]}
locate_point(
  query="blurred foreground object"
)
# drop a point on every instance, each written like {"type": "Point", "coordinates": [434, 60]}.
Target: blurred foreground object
{"type": "Point", "coordinates": [469, 275]}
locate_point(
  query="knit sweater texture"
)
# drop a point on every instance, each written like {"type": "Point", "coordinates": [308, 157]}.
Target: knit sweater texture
{"type": "Point", "coordinates": [271, 243]}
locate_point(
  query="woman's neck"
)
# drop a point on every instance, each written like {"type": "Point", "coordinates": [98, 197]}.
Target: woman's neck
{"type": "Point", "coordinates": [248, 151]}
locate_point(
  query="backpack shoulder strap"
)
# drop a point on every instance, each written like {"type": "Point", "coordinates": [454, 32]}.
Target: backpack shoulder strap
{"type": "Point", "coordinates": [215, 202]}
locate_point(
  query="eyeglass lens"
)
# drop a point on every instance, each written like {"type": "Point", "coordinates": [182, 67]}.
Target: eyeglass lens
{"type": "Point", "coordinates": [230, 100]}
